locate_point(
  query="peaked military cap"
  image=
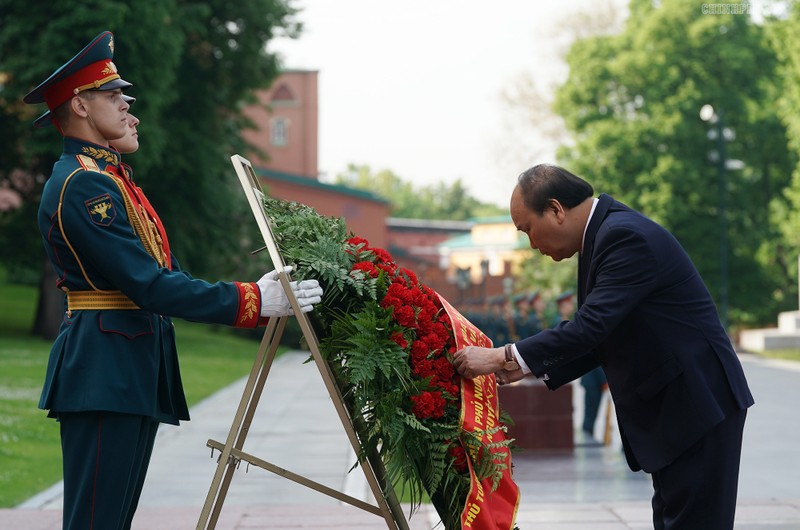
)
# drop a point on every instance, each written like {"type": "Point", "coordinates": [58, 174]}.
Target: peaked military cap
{"type": "Point", "coordinates": [90, 69]}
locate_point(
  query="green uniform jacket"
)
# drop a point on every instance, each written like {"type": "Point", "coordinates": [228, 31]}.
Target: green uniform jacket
{"type": "Point", "coordinates": [121, 360]}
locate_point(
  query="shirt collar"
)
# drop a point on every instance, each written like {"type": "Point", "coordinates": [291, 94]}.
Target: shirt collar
{"type": "Point", "coordinates": [588, 220]}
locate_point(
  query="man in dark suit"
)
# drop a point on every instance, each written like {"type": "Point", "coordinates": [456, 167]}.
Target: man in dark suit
{"type": "Point", "coordinates": [113, 371]}
{"type": "Point", "coordinates": [647, 318]}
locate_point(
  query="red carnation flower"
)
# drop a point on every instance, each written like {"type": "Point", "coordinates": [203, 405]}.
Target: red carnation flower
{"type": "Point", "coordinates": [356, 241]}
{"type": "Point", "coordinates": [428, 405]}
{"type": "Point", "coordinates": [434, 342]}
{"type": "Point", "coordinates": [398, 291]}
{"type": "Point", "coordinates": [451, 388]}
{"type": "Point", "coordinates": [459, 457]}
{"type": "Point", "coordinates": [419, 350]}
{"type": "Point", "coordinates": [404, 315]}
{"type": "Point", "coordinates": [399, 339]}
{"type": "Point", "coordinates": [443, 368]}
{"type": "Point", "coordinates": [424, 368]}
{"type": "Point", "coordinates": [383, 256]}
{"type": "Point", "coordinates": [387, 268]}
{"type": "Point", "coordinates": [412, 278]}
{"type": "Point", "coordinates": [367, 267]}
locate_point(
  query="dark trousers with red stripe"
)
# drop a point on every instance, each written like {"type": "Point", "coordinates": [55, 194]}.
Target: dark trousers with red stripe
{"type": "Point", "coordinates": [106, 455]}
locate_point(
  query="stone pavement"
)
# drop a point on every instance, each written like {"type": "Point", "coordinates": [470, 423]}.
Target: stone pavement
{"type": "Point", "coordinates": [297, 428]}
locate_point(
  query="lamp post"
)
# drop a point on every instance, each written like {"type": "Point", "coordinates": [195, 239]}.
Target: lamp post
{"type": "Point", "coordinates": [721, 135]}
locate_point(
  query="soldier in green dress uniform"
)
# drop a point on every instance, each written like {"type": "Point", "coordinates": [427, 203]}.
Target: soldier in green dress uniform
{"type": "Point", "coordinates": [113, 371]}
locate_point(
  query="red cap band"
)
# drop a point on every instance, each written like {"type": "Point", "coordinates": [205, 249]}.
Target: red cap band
{"type": "Point", "coordinates": [92, 76]}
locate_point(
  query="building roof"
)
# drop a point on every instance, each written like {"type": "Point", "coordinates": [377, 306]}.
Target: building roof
{"type": "Point", "coordinates": [466, 241]}
{"type": "Point", "coordinates": [312, 182]}
{"type": "Point", "coordinates": [497, 219]}
{"type": "Point", "coordinates": [425, 225]}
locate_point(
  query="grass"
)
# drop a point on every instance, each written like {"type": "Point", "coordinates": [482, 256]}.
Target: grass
{"type": "Point", "coordinates": [789, 355]}
{"type": "Point", "coordinates": [30, 452]}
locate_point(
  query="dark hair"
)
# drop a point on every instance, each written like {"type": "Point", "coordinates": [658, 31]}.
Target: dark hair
{"type": "Point", "coordinates": [544, 182]}
{"type": "Point", "coordinates": [61, 113]}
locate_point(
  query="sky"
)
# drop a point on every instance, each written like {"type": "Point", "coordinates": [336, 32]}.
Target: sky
{"type": "Point", "coordinates": [416, 87]}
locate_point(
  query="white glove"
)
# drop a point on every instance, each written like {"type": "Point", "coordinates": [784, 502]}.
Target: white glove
{"type": "Point", "coordinates": [273, 298]}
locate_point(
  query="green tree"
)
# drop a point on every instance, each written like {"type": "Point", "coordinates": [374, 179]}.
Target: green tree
{"type": "Point", "coordinates": [436, 201]}
{"type": "Point", "coordinates": [194, 65]}
{"type": "Point", "coordinates": [631, 104]}
{"type": "Point", "coordinates": [785, 38]}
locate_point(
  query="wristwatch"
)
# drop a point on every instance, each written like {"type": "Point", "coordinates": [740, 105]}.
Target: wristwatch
{"type": "Point", "coordinates": [511, 364]}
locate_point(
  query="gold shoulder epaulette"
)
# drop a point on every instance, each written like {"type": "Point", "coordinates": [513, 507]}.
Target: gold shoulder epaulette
{"type": "Point", "coordinates": [88, 163]}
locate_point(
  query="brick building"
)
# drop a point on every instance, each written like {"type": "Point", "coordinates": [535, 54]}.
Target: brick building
{"type": "Point", "coordinates": [285, 143]}
{"type": "Point", "coordinates": [460, 259]}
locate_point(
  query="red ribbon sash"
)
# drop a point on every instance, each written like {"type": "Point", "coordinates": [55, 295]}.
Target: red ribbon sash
{"type": "Point", "coordinates": [138, 196]}
{"type": "Point", "coordinates": [485, 509]}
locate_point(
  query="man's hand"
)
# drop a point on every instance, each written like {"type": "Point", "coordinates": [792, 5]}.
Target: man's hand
{"type": "Point", "coordinates": [273, 298]}
{"type": "Point", "coordinates": [504, 378]}
{"type": "Point", "coordinates": [473, 361]}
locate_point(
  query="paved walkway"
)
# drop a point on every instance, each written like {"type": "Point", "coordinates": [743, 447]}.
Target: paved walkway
{"type": "Point", "coordinates": [297, 428]}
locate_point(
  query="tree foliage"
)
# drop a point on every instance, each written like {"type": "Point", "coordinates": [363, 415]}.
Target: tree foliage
{"type": "Point", "coordinates": [435, 201]}
{"type": "Point", "coordinates": [529, 97]}
{"type": "Point", "coordinates": [222, 61]}
{"type": "Point", "coordinates": [631, 104]}
{"type": "Point", "coordinates": [193, 65]}
{"type": "Point", "coordinates": [785, 38]}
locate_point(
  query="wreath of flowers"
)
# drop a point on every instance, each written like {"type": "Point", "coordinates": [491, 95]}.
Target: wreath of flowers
{"type": "Point", "coordinates": [389, 344]}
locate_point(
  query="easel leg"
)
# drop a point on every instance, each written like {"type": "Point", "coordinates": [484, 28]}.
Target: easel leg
{"type": "Point", "coordinates": [241, 424]}
{"type": "Point", "coordinates": [373, 467]}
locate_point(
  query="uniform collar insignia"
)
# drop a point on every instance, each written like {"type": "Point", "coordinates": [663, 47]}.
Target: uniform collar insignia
{"type": "Point", "coordinates": [101, 153]}
{"type": "Point", "coordinates": [74, 146]}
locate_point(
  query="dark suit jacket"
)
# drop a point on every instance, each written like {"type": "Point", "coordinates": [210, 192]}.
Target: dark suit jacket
{"type": "Point", "coordinates": [646, 316]}
{"type": "Point", "coordinates": [119, 360]}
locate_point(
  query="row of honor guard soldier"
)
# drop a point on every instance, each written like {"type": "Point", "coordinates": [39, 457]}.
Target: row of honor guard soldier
{"type": "Point", "coordinates": [509, 318]}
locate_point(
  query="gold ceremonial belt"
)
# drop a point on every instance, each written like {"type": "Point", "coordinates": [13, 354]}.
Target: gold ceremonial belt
{"type": "Point", "coordinates": [77, 300]}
